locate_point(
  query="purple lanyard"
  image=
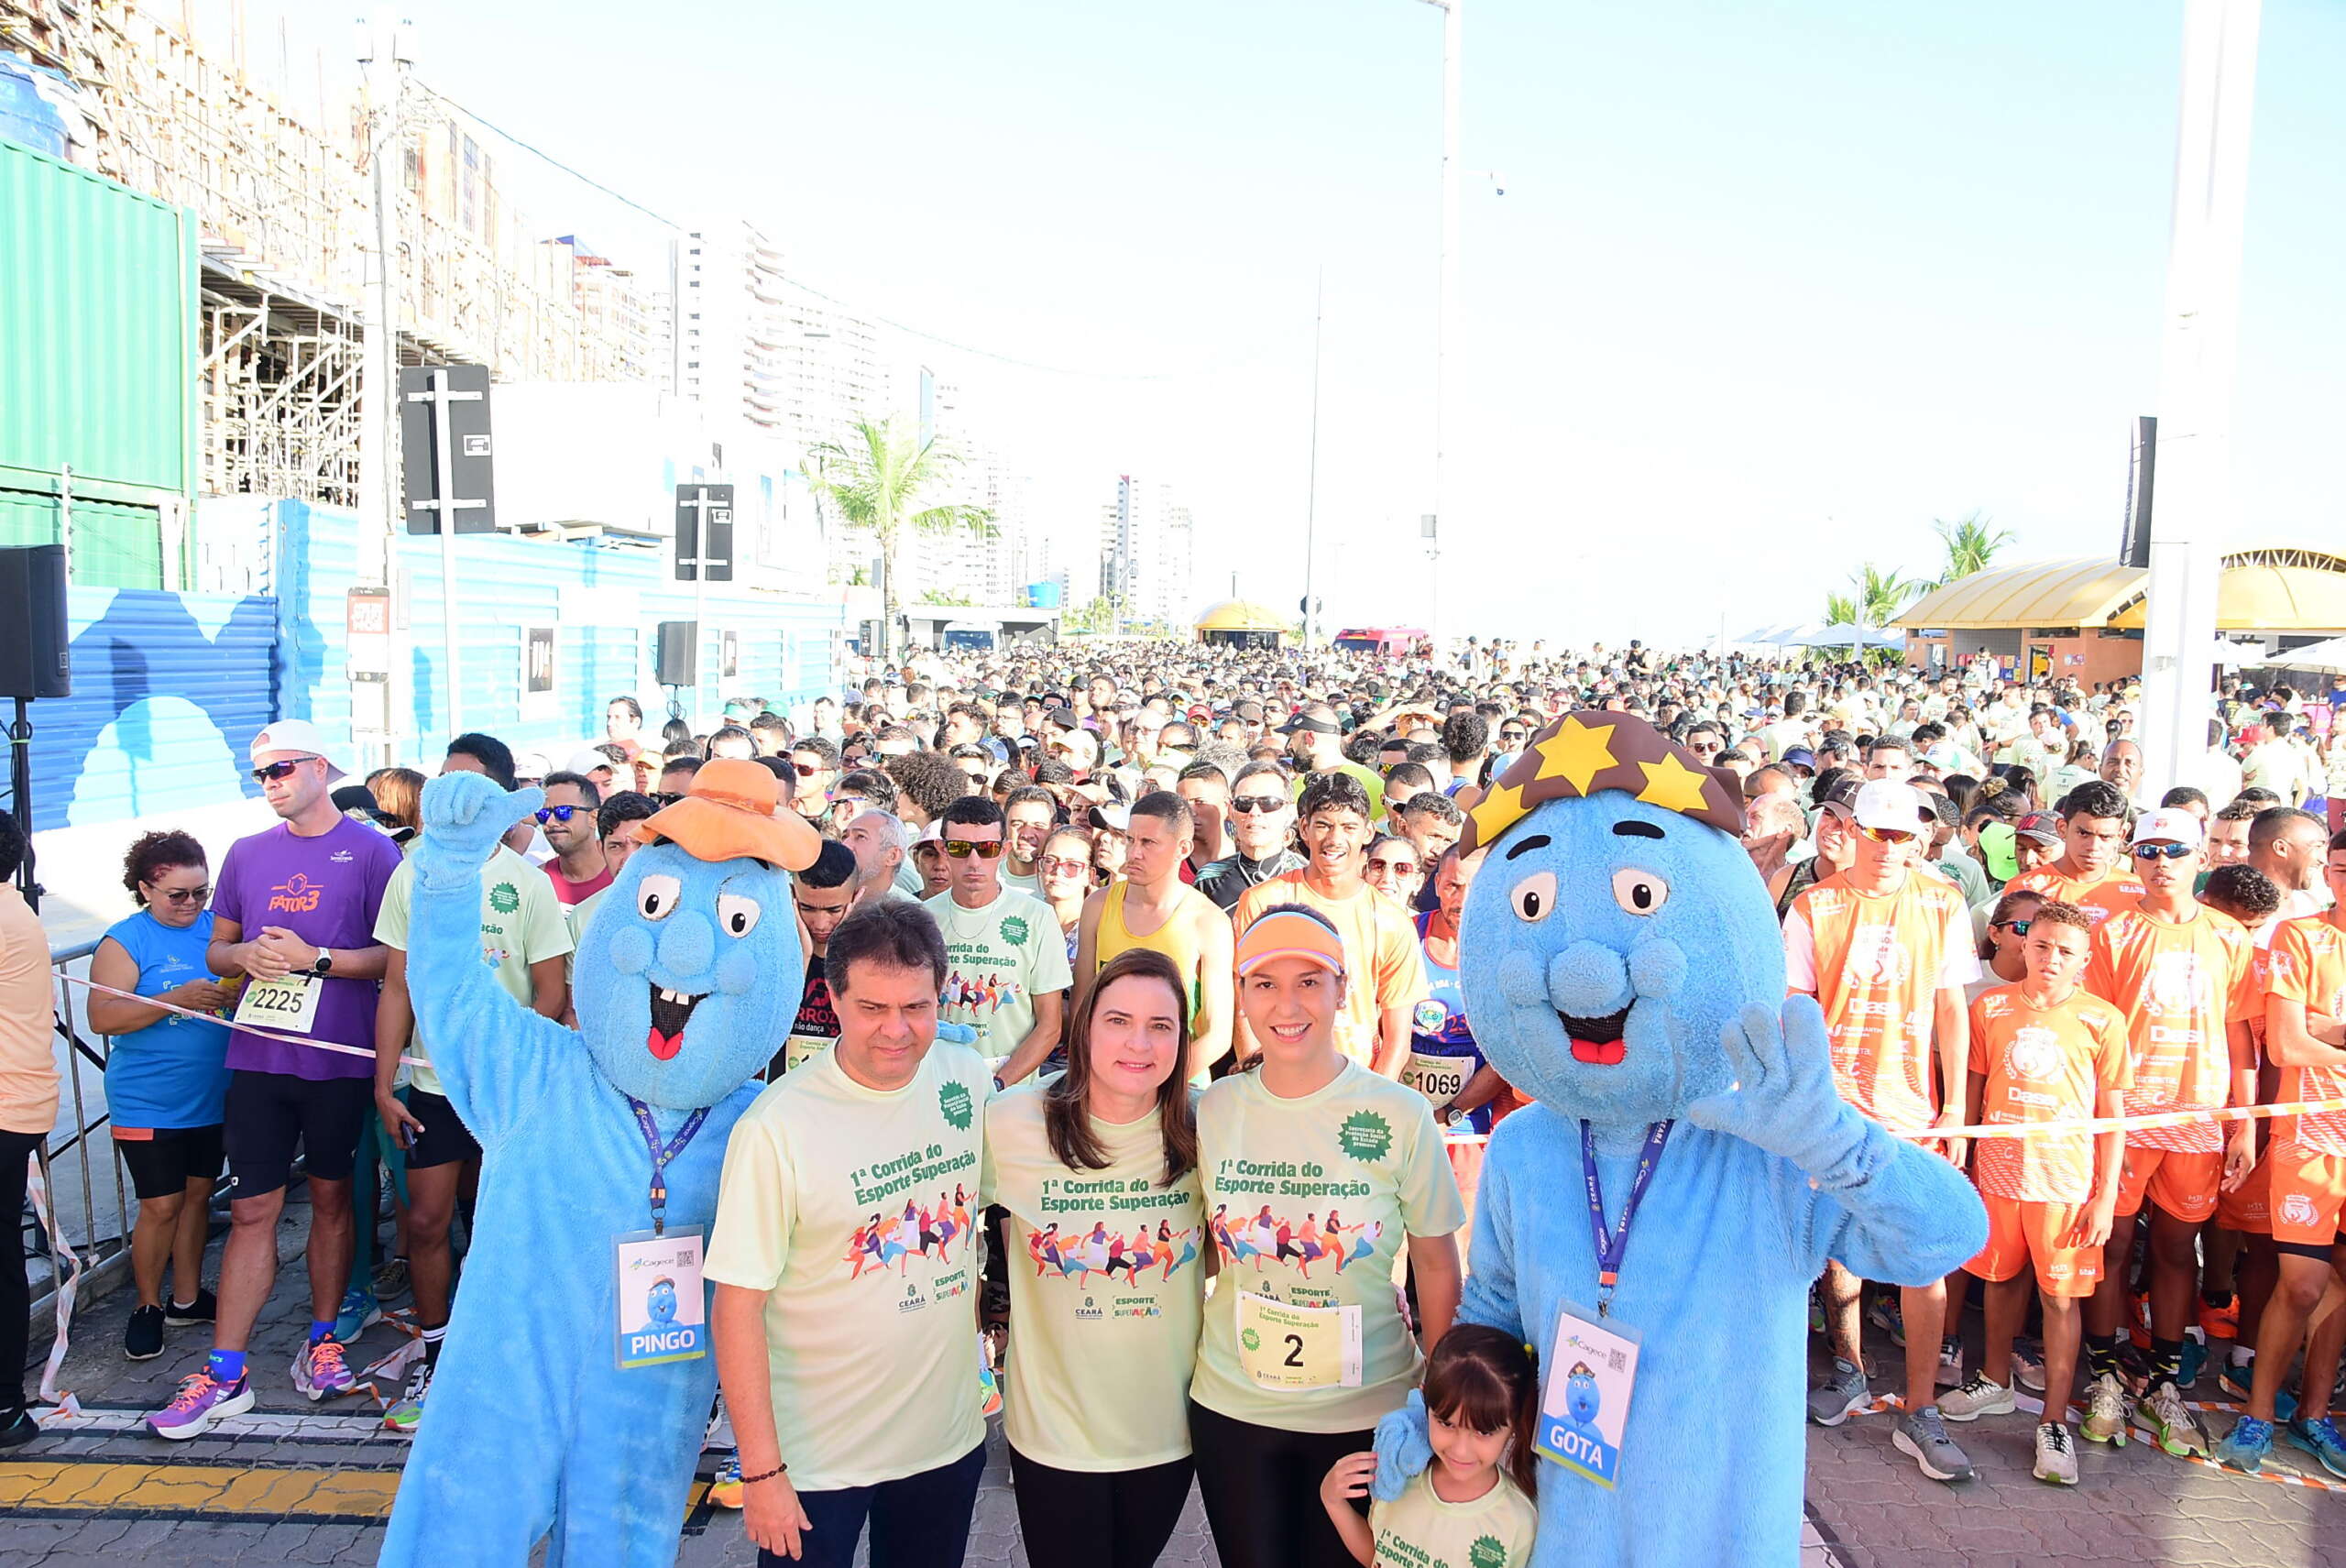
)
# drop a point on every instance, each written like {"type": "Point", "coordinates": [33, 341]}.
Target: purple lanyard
{"type": "Point", "coordinates": [661, 1156]}
{"type": "Point", "coordinates": [1610, 1246]}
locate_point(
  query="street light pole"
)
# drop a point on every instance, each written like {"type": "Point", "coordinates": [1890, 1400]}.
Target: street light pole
{"type": "Point", "coordinates": [1311, 485]}
{"type": "Point", "coordinates": [1446, 315]}
{"type": "Point", "coordinates": [2197, 356]}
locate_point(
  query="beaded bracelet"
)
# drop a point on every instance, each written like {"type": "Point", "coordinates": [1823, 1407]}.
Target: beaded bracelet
{"type": "Point", "coordinates": [765, 1475]}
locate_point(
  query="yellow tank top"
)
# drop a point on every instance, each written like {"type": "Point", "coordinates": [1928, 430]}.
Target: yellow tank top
{"type": "Point", "coordinates": [1177, 939]}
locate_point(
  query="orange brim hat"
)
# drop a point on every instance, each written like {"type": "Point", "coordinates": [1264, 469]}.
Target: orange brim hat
{"type": "Point", "coordinates": [1289, 933]}
{"type": "Point", "coordinates": [734, 811]}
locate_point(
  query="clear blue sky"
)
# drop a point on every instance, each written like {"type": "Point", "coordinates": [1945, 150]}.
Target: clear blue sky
{"type": "Point", "coordinates": [1771, 286]}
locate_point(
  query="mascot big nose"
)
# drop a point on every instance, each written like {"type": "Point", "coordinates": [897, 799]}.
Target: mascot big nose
{"type": "Point", "coordinates": [1623, 968]}
{"type": "Point", "coordinates": [688, 976]}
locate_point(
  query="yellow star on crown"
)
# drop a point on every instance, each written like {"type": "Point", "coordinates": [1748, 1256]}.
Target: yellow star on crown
{"type": "Point", "coordinates": [1674, 786]}
{"type": "Point", "coordinates": [1498, 811]}
{"type": "Point", "coordinates": [1576, 753]}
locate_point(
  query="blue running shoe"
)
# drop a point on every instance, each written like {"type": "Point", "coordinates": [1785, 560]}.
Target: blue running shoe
{"type": "Point", "coordinates": [1885, 1315]}
{"type": "Point", "coordinates": [2246, 1447]}
{"type": "Point", "coordinates": [360, 1312]}
{"type": "Point", "coordinates": [2235, 1377]}
{"type": "Point", "coordinates": [2319, 1438]}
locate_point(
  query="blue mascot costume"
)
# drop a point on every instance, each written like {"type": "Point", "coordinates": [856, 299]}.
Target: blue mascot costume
{"type": "Point", "coordinates": [688, 981]}
{"type": "Point", "coordinates": [1623, 968]}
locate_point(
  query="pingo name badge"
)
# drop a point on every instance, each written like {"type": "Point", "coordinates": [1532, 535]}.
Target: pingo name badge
{"type": "Point", "coordinates": [663, 1309]}
{"type": "Point", "coordinates": [1584, 1403]}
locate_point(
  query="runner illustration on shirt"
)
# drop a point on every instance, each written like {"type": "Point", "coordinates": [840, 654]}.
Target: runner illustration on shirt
{"type": "Point", "coordinates": [1284, 1240]}
{"type": "Point", "coordinates": [1081, 1253]}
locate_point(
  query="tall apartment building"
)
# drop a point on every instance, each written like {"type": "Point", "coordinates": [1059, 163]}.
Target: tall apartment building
{"type": "Point", "coordinates": [1146, 552]}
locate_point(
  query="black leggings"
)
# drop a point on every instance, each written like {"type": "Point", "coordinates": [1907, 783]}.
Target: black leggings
{"type": "Point", "coordinates": [15, 1292]}
{"type": "Point", "coordinates": [1108, 1518]}
{"type": "Point", "coordinates": [1261, 1491]}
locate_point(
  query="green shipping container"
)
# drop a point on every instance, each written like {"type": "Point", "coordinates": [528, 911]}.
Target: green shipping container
{"type": "Point", "coordinates": [98, 314]}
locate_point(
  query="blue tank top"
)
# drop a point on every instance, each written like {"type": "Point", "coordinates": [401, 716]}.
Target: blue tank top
{"type": "Point", "coordinates": [172, 1073]}
{"type": "Point", "coordinates": [1438, 1030]}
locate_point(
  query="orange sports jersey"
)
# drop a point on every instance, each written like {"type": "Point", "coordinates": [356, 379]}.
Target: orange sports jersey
{"type": "Point", "coordinates": [2179, 986]}
{"type": "Point", "coordinates": [2308, 965]}
{"type": "Point", "coordinates": [1876, 963]}
{"type": "Point", "coordinates": [2119, 890]}
{"type": "Point", "coordinates": [2045, 1064]}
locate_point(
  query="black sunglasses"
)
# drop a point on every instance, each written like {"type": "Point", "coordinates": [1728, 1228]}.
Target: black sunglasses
{"type": "Point", "coordinates": [558, 813]}
{"type": "Point", "coordinates": [271, 770]}
{"type": "Point", "coordinates": [1248, 805]}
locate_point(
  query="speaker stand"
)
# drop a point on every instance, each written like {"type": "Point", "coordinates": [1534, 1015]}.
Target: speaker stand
{"type": "Point", "coordinates": [20, 796]}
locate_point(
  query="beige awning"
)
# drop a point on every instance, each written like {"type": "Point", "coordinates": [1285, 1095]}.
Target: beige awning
{"type": "Point", "coordinates": [2081, 591]}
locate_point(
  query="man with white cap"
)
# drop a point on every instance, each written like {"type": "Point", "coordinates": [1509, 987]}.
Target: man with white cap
{"type": "Point", "coordinates": [295, 911]}
{"type": "Point", "coordinates": [1887, 954]}
{"type": "Point", "coordinates": [2182, 976]}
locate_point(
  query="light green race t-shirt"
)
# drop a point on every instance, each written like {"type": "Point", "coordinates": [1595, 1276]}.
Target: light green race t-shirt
{"type": "Point", "coordinates": [521, 922]}
{"type": "Point", "coordinates": [853, 1209]}
{"type": "Point", "coordinates": [1417, 1529]}
{"type": "Point", "coordinates": [1105, 1292]}
{"type": "Point", "coordinates": [997, 959]}
{"type": "Point", "coordinates": [1310, 1201]}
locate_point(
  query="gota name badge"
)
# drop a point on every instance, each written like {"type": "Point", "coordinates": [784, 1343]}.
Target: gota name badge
{"type": "Point", "coordinates": [663, 1311]}
{"type": "Point", "coordinates": [1590, 1368]}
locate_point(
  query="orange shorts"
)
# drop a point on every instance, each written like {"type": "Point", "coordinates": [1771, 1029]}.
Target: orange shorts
{"type": "Point", "coordinates": [2020, 1233]}
{"type": "Point", "coordinates": [2248, 1206]}
{"type": "Point", "coordinates": [2178, 1183]}
{"type": "Point", "coordinates": [2309, 1189]}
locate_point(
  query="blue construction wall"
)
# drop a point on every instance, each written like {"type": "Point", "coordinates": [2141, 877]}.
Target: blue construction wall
{"type": "Point", "coordinates": [170, 688]}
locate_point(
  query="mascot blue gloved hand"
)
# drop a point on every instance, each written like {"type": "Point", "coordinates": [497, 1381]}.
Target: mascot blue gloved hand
{"type": "Point", "coordinates": [1624, 968]}
{"type": "Point", "coordinates": [689, 977]}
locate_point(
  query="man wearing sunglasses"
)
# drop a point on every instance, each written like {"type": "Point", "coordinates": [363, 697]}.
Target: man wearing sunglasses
{"type": "Point", "coordinates": [578, 870]}
{"type": "Point", "coordinates": [2183, 978]}
{"type": "Point", "coordinates": [294, 912]}
{"type": "Point", "coordinates": [1886, 953]}
{"type": "Point", "coordinates": [1260, 806]}
{"type": "Point", "coordinates": [1006, 969]}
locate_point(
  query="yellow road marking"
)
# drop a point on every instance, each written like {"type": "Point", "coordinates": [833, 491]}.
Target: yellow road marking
{"type": "Point", "coordinates": [98, 1486]}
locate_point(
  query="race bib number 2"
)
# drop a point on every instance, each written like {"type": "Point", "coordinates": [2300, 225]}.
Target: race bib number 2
{"type": "Point", "coordinates": [289, 1005]}
{"type": "Point", "coordinates": [1295, 1349]}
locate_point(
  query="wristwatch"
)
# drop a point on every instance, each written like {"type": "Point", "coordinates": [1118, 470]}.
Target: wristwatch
{"type": "Point", "coordinates": [324, 964]}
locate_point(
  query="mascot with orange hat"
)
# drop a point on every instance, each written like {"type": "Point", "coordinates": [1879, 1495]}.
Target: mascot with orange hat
{"type": "Point", "coordinates": [569, 1404]}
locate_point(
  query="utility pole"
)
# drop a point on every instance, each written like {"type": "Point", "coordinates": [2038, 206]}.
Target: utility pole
{"type": "Point", "coordinates": [383, 56]}
{"type": "Point", "coordinates": [1311, 488]}
{"type": "Point", "coordinates": [1446, 323]}
{"type": "Point", "coordinates": [2198, 357]}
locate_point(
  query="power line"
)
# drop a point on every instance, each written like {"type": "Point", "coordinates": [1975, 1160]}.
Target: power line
{"type": "Point", "coordinates": [799, 283]}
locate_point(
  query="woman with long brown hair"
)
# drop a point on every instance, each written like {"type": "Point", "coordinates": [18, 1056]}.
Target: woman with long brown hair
{"type": "Point", "coordinates": [1098, 1171]}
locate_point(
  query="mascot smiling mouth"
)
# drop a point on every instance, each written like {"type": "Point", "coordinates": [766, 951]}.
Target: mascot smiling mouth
{"type": "Point", "coordinates": [670, 1010]}
{"type": "Point", "coordinates": [1597, 1041]}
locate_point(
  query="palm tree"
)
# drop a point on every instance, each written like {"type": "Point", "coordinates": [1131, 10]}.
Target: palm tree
{"type": "Point", "coordinates": [1969, 546]}
{"type": "Point", "coordinates": [884, 483]}
{"type": "Point", "coordinates": [1881, 595]}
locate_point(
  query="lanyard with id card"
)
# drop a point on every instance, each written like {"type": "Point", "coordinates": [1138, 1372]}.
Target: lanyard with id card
{"type": "Point", "coordinates": [291, 1003]}
{"type": "Point", "coordinates": [1592, 1364]}
{"type": "Point", "coordinates": [662, 1307]}
{"type": "Point", "coordinates": [1293, 1350]}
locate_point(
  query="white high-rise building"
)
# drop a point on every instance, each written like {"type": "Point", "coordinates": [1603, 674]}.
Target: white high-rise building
{"type": "Point", "coordinates": [1146, 552]}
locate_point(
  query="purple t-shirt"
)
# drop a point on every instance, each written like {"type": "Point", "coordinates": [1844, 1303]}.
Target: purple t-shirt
{"type": "Point", "coordinates": [326, 891]}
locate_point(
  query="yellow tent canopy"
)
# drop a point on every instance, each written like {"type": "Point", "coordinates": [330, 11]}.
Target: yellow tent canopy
{"type": "Point", "coordinates": [2281, 588]}
{"type": "Point", "coordinates": [1242, 616]}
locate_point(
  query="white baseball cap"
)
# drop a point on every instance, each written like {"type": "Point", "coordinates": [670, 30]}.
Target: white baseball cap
{"type": "Point", "coordinates": [298, 735]}
{"type": "Point", "coordinates": [2169, 825]}
{"type": "Point", "coordinates": [1887, 803]}
{"type": "Point", "coordinates": [586, 762]}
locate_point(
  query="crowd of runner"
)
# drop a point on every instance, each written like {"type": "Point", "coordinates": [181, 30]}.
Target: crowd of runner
{"type": "Point", "coordinates": [1193, 908]}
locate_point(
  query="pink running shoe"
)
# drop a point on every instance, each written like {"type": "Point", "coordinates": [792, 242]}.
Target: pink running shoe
{"type": "Point", "coordinates": [320, 1370]}
{"type": "Point", "coordinates": [201, 1400]}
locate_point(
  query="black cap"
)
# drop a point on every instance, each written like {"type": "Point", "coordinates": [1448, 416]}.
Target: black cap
{"type": "Point", "coordinates": [1317, 726]}
{"type": "Point", "coordinates": [1063, 717]}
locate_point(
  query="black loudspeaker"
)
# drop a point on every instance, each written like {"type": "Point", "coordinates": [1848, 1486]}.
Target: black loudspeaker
{"type": "Point", "coordinates": [37, 660]}
{"type": "Point", "coordinates": [679, 662]}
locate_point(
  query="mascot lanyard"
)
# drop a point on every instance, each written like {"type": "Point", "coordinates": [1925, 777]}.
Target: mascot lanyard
{"type": "Point", "coordinates": [661, 1156]}
{"type": "Point", "coordinates": [1610, 1247]}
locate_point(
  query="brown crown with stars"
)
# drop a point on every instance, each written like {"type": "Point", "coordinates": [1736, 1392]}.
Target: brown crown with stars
{"type": "Point", "coordinates": [1591, 751]}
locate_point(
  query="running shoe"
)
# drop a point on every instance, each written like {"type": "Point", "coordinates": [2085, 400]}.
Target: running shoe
{"type": "Point", "coordinates": [1979, 1396]}
{"type": "Point", "coordinates": [2246, 1447]}
{"type": "Point", "coordinates": [321, 1371]}
{"type": "Point", "coordinates": [203, 1309]}
{"type": "Point", "coordinates": [18, 1430]}
{"type": "Point", "coordinates": [2057, 1457]}
{"type": "Point", "coordinates": [2220, 1322]}
{"type": "Point", "coordinates": [2236, 1378]}
{"type": "Point", "coordinates": [1950, 1361]}
{"type": "Point", "coordinates": [201, 1400]}
{"type": "Point", "coordinates": [725, 1487]}
{"type": "Point", "coordinates": [1839, 1396]}
{"type": "Point", "coordinates": [408, 1413]}
{"type": "Point", "coordinates": [2028, 1365]}
{"type": "Point", "coordinates": [2319, 1438]}
{"type": "Point", "coordinates": [1922, 1437]}
{"type": "Point", "coordinates": [2195, 1361]}
{"type": "Point", "coordinates": [390, 1280]}
{"type": "Point", "coordinates": [2106, 1413]}
{"type": "Point", "coordinates": [143, 1340]}
{"type": "Point", "coordinates": [360, 1312]}
{"type": "Point", "coordinates": [1885, 1315]}
{"type": "Point", "coordinates": [2170, 1422]}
